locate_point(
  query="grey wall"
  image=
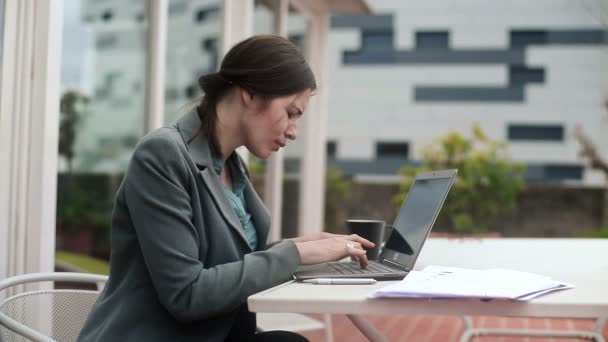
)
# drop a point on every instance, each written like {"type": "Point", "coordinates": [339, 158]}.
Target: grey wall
{"type": "Point", "coordinates": [544, 211]}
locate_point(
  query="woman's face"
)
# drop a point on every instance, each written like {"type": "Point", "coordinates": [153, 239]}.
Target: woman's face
{"type": "Point", "coordinates": [271, 123]}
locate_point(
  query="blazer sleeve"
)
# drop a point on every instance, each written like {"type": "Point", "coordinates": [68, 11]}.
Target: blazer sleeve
{"type": "Point", "coordinates": [156, 192]}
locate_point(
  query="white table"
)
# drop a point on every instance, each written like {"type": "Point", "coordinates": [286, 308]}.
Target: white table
{"type": "Point", "coordinates": [582, 262]}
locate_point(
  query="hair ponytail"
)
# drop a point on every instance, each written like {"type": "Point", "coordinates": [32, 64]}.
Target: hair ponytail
{"type": "Point", "coordinates": [214, 86]}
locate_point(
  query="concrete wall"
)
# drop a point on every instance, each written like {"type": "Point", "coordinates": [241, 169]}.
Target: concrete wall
{"type": "Point", "coordinates": [543, 211]}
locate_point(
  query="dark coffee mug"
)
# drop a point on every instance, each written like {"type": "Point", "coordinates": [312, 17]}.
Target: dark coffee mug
{"type": "Point", "coordinates": [372, 230]}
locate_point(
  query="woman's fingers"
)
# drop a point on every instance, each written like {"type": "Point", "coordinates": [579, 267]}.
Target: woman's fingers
{"type": "Point", "coordinates": [355, 250]}
{"type": "Point", "coordinates": [360, 240]}
{"type": "Point", "coordinates": [363, 261]}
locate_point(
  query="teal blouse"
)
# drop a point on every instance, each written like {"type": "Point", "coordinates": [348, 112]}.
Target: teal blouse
{"type": "Point", "coordinates": [236, 198]}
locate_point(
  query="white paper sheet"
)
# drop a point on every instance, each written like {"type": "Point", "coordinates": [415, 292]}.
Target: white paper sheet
{"type": "Point", "coordinates": [452, 282]}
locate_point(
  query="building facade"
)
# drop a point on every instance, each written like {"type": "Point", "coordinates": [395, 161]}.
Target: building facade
{"type": "Point", "coordinates": [527, 72]}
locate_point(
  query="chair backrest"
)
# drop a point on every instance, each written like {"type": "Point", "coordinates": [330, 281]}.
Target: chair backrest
{"type": "Point", "coordinates": [68, 309]}
{"type": "Point", "coordinates": [46, 315]}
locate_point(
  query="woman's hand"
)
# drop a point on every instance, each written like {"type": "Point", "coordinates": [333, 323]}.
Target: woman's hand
{"type": "Point", "coordinates": [315, 237]}
{"type": "Point", "coordinates": [333, 248]}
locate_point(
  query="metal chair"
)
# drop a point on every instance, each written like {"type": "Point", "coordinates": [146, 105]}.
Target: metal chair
{"type": "Point", "coordinates": [48, 314]}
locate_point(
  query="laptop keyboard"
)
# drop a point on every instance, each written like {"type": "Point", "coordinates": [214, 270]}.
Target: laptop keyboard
{"type": "Point", "coordinates": [354, 268]}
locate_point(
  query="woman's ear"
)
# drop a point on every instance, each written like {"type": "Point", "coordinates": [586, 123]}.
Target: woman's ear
{"type": "Point", "coordinates": [246, 97]}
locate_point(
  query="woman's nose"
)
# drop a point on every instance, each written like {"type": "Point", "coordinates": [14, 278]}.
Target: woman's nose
{"type": "Point", "coordinates": [291, 132]}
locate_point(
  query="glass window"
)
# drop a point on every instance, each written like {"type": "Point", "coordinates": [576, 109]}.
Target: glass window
{"type": "Point", "coordinates": [102, 107]}
{"type": "Point", "coordinates": [520, 74]}
{"type": "Point", "coordinates": [521, 38]}
{"type": "Point", "coordinates": [536, 132]}
{"type": "Point", "coordinates": [376, 47]}
{"type": "Point", "coordinates": [263, 18]}
{"type": "Point", "coordinates": [1, 34]}
{"type": "Point", "coordinates": [392, 150]}
{"type": "Point", "coordinates": [192, 50]}
{"type": "Point", "coordinates": [296, 31]}
{"type": "Point", "coordinates": [557, 172]}
{"type": "Point", "coordinates": [206, 13]}
{"type": "Point", "coordinates": [377, 40]}
{"type": "Point", "coordinates": [429, 39]}
{"type": "Point", "coordinates": [296, 28]}
{"type": "Point", "coordinates": [331, 148]}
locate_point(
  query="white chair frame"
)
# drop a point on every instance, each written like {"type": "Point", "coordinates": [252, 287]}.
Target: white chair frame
{"type": "Point", "coordinates": [22, 329]}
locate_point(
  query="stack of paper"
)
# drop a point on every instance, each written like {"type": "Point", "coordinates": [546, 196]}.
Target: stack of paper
{"type": "Point", "coordinates": [452, 282]}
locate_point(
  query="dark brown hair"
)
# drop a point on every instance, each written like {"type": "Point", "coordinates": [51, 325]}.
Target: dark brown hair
{"type": "Point", "coordinates": [265, 65]}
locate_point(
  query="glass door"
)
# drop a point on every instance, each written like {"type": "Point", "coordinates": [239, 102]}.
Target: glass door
{"type": "Point", "coordinates": [103, 91]}
{"type": "Point", "coordinates": [1, 35]}
{"type": "Point", "coordinates": [192, 50]}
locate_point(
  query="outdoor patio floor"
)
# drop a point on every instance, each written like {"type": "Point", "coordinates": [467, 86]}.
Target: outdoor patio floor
{"type": "Point", "coordinates": [448, 328]}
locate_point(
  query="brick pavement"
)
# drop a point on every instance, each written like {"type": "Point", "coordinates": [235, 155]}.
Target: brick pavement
{"type": "Point", "coordinates": [400, 328]}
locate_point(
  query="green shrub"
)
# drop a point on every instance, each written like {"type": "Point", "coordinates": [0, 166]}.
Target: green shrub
{"type": "Point", "coordinates": [487, 184]}
{"type": "Point", "coordinates": [83, 262]}
{"type": "Point", "coordinates": [76, 207]}
{"type": "Point", "coordinates": [601, 233]}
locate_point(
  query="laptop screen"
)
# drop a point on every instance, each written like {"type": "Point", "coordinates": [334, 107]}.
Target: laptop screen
{"type": "Point", "coordinates": [416, 218]}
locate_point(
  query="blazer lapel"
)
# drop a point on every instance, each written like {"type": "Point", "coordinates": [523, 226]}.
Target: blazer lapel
{"type": "Point", "coordinates": [259, 214]}
{"type": "Point", "coordinates": [256, 207]}
{"type": "Point", "coordinates": [214, 185]}
{"type": "Point", "coordinates": [198, 146]}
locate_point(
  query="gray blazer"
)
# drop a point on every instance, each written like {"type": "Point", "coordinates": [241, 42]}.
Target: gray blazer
{"type": "Point", "coordinates": [181, 268]}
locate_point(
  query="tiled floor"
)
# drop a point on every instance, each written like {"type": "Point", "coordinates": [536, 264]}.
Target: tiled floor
{"type": "Point", "coordinates": [448, 328]}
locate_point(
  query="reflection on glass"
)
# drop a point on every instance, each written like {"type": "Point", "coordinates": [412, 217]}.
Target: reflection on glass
{"type": "Point", "coordinates": [417, 215]}
{"type": "Point", "coordinates": [102, 106]}
{"type": "Point", "coordinates": [104, 63]}
{"type": "Point", "coordinates": [263, 18]}
{"type": "Point", "coordinates": [296, 30]}
{"type": "Point", "coordinates": [192, 50]}
{"type": "Point", "coordinates": [296, 27]}
{"type": "Point", "coordinates": [1, 34]}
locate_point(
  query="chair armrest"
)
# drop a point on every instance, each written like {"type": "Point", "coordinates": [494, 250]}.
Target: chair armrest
{"type": "Point", "coordinates": [52, 276]}
{"type": "Point", "coordinates": [22, 329]}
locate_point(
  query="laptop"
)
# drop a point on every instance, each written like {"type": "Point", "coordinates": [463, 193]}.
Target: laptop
{"type": "Point", "coordinates": [411, 228]}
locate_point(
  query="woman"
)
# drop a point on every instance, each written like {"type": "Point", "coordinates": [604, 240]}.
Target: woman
{"type": "Point", "coordinates": [188, 230]}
